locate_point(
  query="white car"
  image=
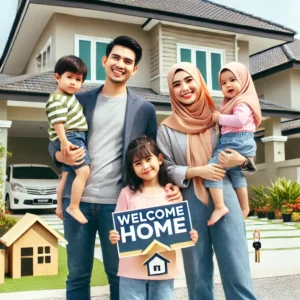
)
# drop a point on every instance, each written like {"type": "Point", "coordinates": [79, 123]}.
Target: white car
{"type": "Point", "coordinates": [30, 186]}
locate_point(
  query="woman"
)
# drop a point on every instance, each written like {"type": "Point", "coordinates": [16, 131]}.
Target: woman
{"type": "Point", "coordinates": [187, 139]}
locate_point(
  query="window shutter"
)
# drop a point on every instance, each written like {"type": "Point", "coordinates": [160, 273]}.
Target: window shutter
{"type": "Point", "coordinates": [215, 69]}
{"type": "Point", "coordinates": [185, 55]}
{"type": "Point", "coordinates": [201, 63]}
{"type": "Point", "coordinates": [100, 52]}
{"type": "Point", "coordinates": [85, 55]}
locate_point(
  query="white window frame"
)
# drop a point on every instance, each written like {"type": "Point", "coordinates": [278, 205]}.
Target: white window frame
{"type": "Point", "coordinates": [93, 41]}
{"type": "Point", "coordinates": [208, 52]}
{"type": "Point", "coordinates": [43, 53]}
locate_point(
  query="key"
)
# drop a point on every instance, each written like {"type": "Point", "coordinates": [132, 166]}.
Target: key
{"type": "Point", "coordinates": [256, 245]}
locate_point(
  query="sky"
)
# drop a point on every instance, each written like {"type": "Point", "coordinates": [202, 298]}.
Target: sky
{"type": "Point", "coordinates": [284, 12]}
{"type": "Point", "coordinates": [7, 15]}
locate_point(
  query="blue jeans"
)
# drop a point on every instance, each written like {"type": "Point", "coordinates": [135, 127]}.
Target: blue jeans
{"type": "Point", "coordinates": [138, 289]}
{"type": "Point", "coordinates": [77, 139]}
{"type": "Point", "coordinates": [228, 239]}
{"type": "Point", "coordinates": [242, 142]}
{"type": "Point", "coordinates": [81, 245]}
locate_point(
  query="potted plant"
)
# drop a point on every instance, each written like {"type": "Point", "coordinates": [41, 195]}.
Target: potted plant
{"type": "Point", "coordinates": [6, 221]}
{"type": "Point", "coordinates": [260, 197]}
{"type": "Point", "coordinates": [296, 211]}
{"type": "Point", "coordinates": [270, 212]}
{"type": "Point", "coordinates": [274, 202]}
{"type": "Point", "coordinates": [286, 212]}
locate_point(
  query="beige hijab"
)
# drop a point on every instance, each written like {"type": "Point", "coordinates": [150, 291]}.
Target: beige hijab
{"type": "Point", "coordinates": [196, 121]}
{"type": "Point", "coordinates": [247, 94]}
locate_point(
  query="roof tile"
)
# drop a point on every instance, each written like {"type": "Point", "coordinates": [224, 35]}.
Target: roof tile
{"type": "Point", "coordinates": [206, 10]}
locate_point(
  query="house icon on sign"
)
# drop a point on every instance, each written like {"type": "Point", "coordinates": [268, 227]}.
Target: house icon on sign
{"type": "Point", "coordinates": [157, 265]}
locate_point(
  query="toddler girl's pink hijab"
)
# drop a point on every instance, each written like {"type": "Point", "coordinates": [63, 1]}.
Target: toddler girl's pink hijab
{"type": "Point", "coordinates": [196, 121]}
{"type": "Point", "coordinates": [247, 94]}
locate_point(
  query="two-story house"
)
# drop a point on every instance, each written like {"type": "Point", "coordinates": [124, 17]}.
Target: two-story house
{"type": "Point", "coordinates": [202, 32]}
{"type": "Point", "coordinates": [276, 75]}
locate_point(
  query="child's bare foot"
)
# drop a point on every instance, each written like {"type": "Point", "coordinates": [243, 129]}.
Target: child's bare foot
{"type": "Point", "coordinates": [76, 214]}
{"type": "Point", "coordinates": [217, 215]}
{"type": "Point", "coordinates": [245, 212]}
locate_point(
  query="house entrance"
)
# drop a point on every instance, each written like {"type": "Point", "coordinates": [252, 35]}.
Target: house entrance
{"type": "Point", "coordinates": [26, 261]}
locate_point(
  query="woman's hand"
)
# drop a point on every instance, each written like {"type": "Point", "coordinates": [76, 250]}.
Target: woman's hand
{"type": "Point", "coordinates": [75, 158]}
{"type": "Point", "coordinates": [194, 236]}
{"type": "Point", "coordinates": [114, 236]}
{"type": "Point", "coordinates": [173, 193]}
{"type": "Point", "coordinates": [230, 159]}
{"type": "Point", "coordinates": [211, 172]}
{"type": "Point", "coordinates": [216, 116]}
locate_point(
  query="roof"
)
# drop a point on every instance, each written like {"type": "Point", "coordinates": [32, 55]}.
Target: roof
{"type": "Point", "coordinates": [23, 225]}
{"type": "Point", "coordinates": [42, 84]}
{"type": "Point", "coordinates": [156, 246]}
{"type": "Point", "coordinates": [204, 9]}
{"type": "Point", "coordinates": [154, 256]}
{"type": "Point", "coordinates": [275, 59]}
{"type": "Point", "coordinates": [199, 13]}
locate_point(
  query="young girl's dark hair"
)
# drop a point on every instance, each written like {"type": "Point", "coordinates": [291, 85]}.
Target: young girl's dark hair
{"type": "Point", "coordinates": [142, 148]}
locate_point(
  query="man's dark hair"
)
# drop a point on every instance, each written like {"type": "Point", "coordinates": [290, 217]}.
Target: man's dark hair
{"type": "Point", "coordinates": [71, 63]}
{"type": "Point", "coordinates": [127, 42]}
{"type": "Point", "coordinates": [142, 147]}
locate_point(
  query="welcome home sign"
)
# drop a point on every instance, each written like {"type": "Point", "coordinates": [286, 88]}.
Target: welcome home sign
{"type": "Point", "coordinates": [154, 229]}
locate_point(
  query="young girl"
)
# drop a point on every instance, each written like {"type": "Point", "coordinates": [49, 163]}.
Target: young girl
{"type": "Point", "coordinates": [146, 177]}
{"type": "Point", "coordinates": [239, 116]}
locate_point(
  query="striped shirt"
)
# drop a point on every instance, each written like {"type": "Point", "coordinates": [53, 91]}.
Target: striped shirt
{"type": "Point", "coordinates": [61, 108]}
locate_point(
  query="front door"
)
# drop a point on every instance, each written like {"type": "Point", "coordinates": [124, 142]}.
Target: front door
{"type": "Point", "coordinates": [27, 261]}
{"type": "Point", "coordinates": [26, 266]}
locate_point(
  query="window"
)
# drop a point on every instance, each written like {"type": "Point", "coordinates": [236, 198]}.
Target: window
{"type": "Point", "coordinates": [41, 259]}
{"type": "Point", "coordinates": [209, 61]}
{"type": "Point", "coordinates": [43, 59]}
{"type": "Point", "coordinates": [26, 251]}
{"type": "Point", "coordinates": [34, 172]}
{"type": "Point", "coordinates": [91, 50]}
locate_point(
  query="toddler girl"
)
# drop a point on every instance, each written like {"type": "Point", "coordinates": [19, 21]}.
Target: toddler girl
{"type": "Point", "coordinates": [239, 117]}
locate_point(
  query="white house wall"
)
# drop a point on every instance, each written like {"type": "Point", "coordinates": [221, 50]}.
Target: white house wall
{"type": "Point", "coordinates": [295, 88]}
{"type": "Point", "coordinates": [276, 88]}
{"type": "Point", "coordinates": [243, 52]}
{"type": "Point", "coordinates": [68, 26]}
{"type": "Point", "coordinates": [49, 32]}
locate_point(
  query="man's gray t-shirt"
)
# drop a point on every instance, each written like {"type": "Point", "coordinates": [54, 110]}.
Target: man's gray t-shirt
{"type": "Point", "coordinates": [105, 145]}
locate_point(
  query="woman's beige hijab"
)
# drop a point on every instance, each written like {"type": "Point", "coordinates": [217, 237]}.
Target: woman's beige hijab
{"type": "Point", "coordinates": [247, 94]}
{"type": "Point", "coordinates": [196, 121]}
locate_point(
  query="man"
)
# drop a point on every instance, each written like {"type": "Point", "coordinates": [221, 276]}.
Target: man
{"type": "Point", "coordinates": [115, 116]}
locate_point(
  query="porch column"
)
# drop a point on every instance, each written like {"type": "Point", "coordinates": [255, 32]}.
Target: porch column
{"type": "Point", "coordinates": [274, 146]}
{"type": "Point", "coordinates": [4, 125]}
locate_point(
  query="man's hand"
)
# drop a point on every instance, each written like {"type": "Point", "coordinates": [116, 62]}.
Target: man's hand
{"type": "Point", "coordinates": [75, 158]}
{"type": "Point", "coordinates": [216, 116]}
{"type": "Point", "coordinates": [194, 236]}
{"type": "Point", "coordinates": [114, 236]}
{"type": "Point", "coordinates": [230, 159]}
{"type": "Point", "coordinates": [173, 193]}
{"type": "Point", "coordinates": [59, 212]}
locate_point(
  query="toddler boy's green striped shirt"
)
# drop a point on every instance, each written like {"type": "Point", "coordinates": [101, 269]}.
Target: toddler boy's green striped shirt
{"type": "Point", "coordinates": [61, 108]}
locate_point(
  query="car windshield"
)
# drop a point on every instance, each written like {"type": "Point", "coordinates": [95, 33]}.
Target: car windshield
{"type": "Point", "coordinates": [34, 173]}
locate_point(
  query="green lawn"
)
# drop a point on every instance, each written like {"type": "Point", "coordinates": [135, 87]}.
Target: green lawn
{"type": "Point", "coordinates": [30, 283]}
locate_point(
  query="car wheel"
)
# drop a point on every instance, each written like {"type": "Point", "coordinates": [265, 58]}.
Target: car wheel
{"type": "Point", "coordinates": [7, 203]}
